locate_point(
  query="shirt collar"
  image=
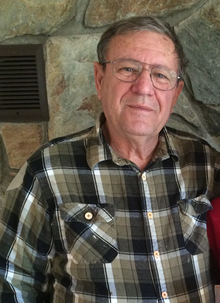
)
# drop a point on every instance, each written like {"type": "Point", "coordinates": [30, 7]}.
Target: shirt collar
{"type": "Point", "coordinates": [168, 146]}
{"type": "Point", "coordinates": [96, 147]}
{"type": "Point", "coordinates": [98, 150]}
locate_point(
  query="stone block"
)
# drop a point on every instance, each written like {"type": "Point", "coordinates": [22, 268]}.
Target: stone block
{"type": "Point", "coordinates": [34, 17]}
{"type": "Point", "coordinates": [20, 141]}
{"type": "Point", "coordinates": [202, 48]}
{"type": "Point", "coordinates": [1, 162]}
{"type": "Point", "coordinates": [211, 13]}
{"type": "Point", "coordinates": [71, 90]}
{"type": "Point", "coordinates": [102, 12]}
{"type": "Point", "coordinates": [187, 115]}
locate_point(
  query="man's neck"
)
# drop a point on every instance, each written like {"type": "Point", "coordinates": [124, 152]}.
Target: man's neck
{"type": "Point", "coordinates": [138, 149]}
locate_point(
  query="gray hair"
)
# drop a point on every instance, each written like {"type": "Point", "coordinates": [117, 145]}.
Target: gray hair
{"type": "Point", "coordinates": [141, 23]}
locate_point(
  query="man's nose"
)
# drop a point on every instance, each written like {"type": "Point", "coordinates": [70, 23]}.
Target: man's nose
{"type": "Point", "coordinates": [143, 84]}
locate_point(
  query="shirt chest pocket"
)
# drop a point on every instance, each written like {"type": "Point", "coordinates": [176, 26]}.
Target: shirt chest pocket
{"type": "Point", "coordinates": [88, 232]}
{"type": "Point", "coordinates": [192, 214]}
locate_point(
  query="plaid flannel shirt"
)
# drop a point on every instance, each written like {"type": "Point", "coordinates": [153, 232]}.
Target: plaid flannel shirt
{"type": "Point", "coordinates": [85, 225]}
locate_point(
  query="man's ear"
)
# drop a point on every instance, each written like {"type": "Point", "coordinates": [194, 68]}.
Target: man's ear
{"type": "Point", "coordinates": [98, 75]}
{"type": "Point", "coordinates": [178, 91]}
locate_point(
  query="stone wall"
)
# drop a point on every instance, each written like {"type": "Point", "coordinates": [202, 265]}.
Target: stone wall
{"type": "Point", "coordinates": [70, 30]}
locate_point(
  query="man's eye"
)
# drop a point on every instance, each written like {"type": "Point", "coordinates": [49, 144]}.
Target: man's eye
{"type": "Point", "coordinates": [126, 69]}
{"type": "Point", "coordinates": [130, 70]}
{"type": "Point", "coordinates": [160, 76]}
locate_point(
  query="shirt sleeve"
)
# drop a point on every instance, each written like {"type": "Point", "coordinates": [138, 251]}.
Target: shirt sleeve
{"type": "Point", "coordinates": [26, 241]}
{"type": "Point", "coordinates": [213, 231]}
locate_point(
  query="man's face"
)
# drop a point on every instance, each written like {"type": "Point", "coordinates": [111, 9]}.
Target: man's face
{"type": "Point", "coordinates": [137, 108]}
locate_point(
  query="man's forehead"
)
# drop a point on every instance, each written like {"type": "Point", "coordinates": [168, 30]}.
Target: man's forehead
{"type": "Point", "coordinates": [139, 41]}
{"type": "Point", "coordinates": [147, 37]}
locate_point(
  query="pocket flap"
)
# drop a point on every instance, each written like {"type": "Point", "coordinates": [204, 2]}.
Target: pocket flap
{"type": "Point", "coordinates": [195, 206]}
{"type": "Point", "coordinates": [72, 211]}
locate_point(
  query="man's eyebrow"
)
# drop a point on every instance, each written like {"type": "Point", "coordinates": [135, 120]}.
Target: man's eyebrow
{"type": "Point", "coordinates": [156, 65]}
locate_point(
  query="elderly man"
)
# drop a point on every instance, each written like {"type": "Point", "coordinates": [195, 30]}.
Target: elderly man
{"type": "Point", "coordinates": [116, 213]}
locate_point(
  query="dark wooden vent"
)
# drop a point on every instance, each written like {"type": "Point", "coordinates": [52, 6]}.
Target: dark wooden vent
{"type": "Point", "coordinates": [23, 95]}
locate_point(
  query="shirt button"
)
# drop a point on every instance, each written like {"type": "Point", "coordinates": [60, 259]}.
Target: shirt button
{"type": "Point", "coordinates": [164, 295]}
{"type": "Point", "coordinates": [88, 216]}
{"type": "Point", "coordinates": [150, 215]}
{"type": "Point", "coordinates": [156, 254]}
{"type": "Point", "coordinates": [144, 177]}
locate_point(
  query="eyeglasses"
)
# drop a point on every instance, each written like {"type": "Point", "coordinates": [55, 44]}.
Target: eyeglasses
{"type": "Point", "coordinates": [128, 70]}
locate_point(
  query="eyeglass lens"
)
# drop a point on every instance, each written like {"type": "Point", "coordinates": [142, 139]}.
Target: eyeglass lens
{"type": "Point", "coordinates": [129, 70]}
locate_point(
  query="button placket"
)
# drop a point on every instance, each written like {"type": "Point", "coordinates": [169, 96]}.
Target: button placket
{"type": "Point", "coordinates": [151, 221]}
